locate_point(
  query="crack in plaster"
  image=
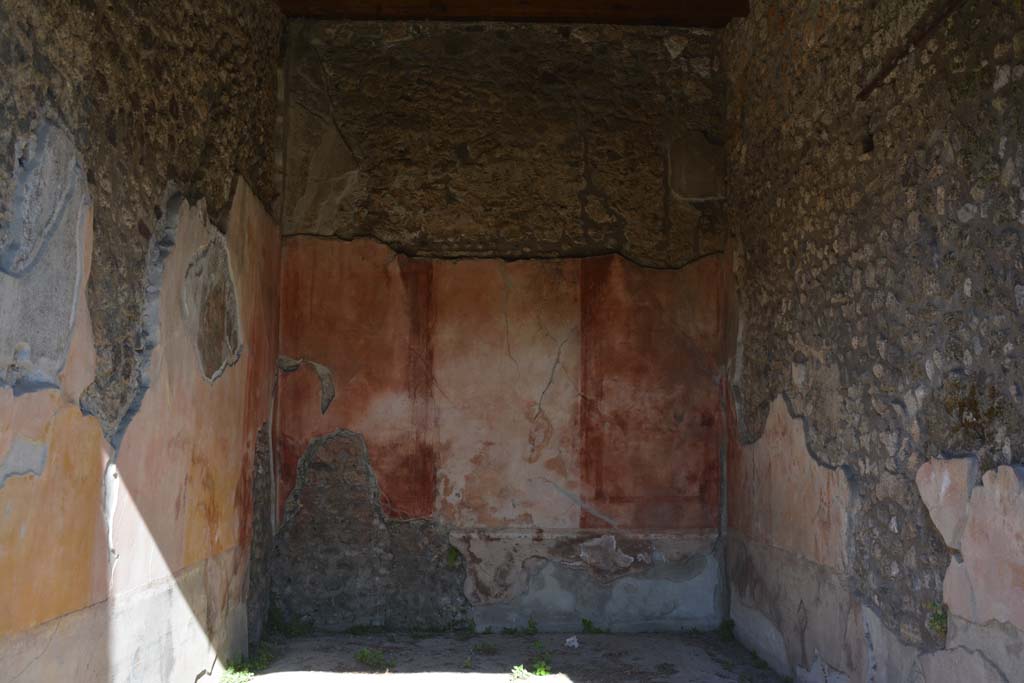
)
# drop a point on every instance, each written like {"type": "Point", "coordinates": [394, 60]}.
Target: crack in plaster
{"type": "Point", "coordinates": [46, 648]}
{"type": "Point", "coordinates": [551, 376]}
{"type": "Point", "coordinates": [507, 294]}
{"type": "Point", "coordinates": [580, 503]}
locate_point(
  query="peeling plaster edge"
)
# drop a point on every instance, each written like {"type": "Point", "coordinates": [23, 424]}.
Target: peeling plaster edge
{"type": "Point", "coordinates": [160, 247]}
{"type": "Point", "coordinates": [24, 468]}
{"type": "Point", "coordinates": [83, 211]}
{"type": "Point", "coordinates": [51, 378]}
{"type": "Point", "coordinates": [292, 503]}
{"type": "Point", "coordinates": [456, 255]}
{"type": "Point", "coordinates": [288, 364]}
{"type": "Point", "coordinates": [804, 421]}
{"type": "Point", "coordinates": [236, 354]}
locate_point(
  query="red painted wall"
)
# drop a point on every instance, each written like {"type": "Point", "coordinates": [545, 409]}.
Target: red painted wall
{"type": "Point", "coordinates": [549, 393]}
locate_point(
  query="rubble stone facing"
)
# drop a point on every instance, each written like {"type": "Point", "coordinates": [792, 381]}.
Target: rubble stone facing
{"type": "Point", "coordinates": [881, 235]}
{"type": "Point", "coordinates": [509, 140]}
{"type": "Point", "coordinates": [149, 93]}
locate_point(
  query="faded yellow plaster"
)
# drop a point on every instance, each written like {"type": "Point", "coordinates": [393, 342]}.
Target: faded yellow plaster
{"type": "Point", "coordinates": [49, 524]}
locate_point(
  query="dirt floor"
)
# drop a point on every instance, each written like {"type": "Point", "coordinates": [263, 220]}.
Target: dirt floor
{"type": "Point", "coordinates": [465, 658]}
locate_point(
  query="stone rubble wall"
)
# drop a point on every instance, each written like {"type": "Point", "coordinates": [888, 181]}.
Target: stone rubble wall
{"type": "Point", "coordinates": [148, 94]}
{"type": "Point", "coordinates": [509, 140]}
{"type": "Point", "coordinates": [874, 186]}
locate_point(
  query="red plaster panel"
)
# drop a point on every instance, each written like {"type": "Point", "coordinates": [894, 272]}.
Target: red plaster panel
{"type": "Point", "coordinates": [507, 367]}
{"type": "Point", "coordinates": [652, 409]}
{"type": "Point", "coordinates": [506, 394]}
{"type": "Point", "coordinates": [365, 313]}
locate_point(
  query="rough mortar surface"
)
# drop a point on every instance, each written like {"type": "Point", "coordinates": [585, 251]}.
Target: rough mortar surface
{"type": "Point", "coordinates": [150, 93]}
{"type": "Point", "coordinates": [339, 563]}
{"type": "Point", "coordinates": [510, 140]}
{"type": "Point", "coordinates": [881, 274]}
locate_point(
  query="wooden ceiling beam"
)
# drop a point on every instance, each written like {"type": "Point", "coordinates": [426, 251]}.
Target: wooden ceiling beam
{"type": "Point", "coordinates": [704, 13]}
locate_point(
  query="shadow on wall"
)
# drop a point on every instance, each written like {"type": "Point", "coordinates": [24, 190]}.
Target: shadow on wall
{"type": "Point", "coordinates": [127, 553]}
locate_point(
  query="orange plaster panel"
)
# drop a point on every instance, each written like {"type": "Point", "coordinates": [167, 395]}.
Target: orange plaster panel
{"type": "Point", "coordinates": [52, 539]}
{"type": "Point", "coordinates": [185, 459]}
{"type": "Point", "coordinates": [49, 524]}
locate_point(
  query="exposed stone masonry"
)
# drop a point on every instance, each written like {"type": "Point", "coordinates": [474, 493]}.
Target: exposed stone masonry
{"type": "Point", "coordinates": [511, 140]}
{"type": "Point", "coordinates": [151, 93]}
{"type": "Point", "coordinates": [338, 563]}
{"type": "Point", "coordinates": [881, 272]}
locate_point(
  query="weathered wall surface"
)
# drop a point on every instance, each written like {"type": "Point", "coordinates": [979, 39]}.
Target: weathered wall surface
{"type": "Point", "coordinates": [562, 418]}
{"type": "Point", "coordinates": [506, 140]}
{"type": "Point", "coordinates": [149, 93]}
{"type": "Point", "coordinates": [130, 563]}
{"type": "Point", "coordinates": [124, 529]}
{"type": "Point", "coordinates": [880, 216]}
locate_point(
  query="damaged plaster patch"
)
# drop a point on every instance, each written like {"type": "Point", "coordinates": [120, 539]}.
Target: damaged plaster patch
{"type": "Point", "coordinates": [49, 192]}
{"type": "Point", "coordinates": [210, 308]}
{"type": "Point", "coordinates": [24, 458]}
{"type": "Point", "coordinates": [338, 562]}
{"type": "Point", "coordinates": [627, 581]}
{"type": "Point", "coordinates": [602, 554]}
{"type": "Point", "coordinates": [160, 246]}
{"type": "Point", "coordinates": [41, 260]}
{"type": "Point", "coordinates": [323, 373]}
{"type": "Point", "coordinates": [697, 167]}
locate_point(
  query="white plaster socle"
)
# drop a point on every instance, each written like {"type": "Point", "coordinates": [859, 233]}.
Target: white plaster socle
{"type": "Point", "coordinates": [759, 634]}
{"type": "Point", "coordinates": [945, 487]}
{"type": "Point", "coordinates": [664, 582]}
